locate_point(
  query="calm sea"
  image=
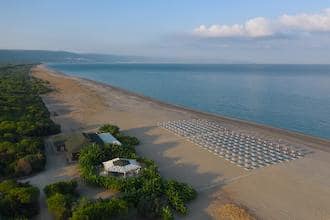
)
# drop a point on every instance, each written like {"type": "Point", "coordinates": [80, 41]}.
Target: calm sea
{"type": "Point", "coordinates": [294, 97]}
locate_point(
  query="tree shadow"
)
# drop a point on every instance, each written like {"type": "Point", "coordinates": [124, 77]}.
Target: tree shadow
{"type": "Point", "coordinates": [172, 166]}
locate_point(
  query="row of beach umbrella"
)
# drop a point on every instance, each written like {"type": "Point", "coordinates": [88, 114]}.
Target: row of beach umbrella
{"type": "Point", "coordinates": [247, 151]}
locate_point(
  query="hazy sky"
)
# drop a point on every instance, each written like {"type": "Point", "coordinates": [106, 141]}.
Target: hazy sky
{"type": "Point", "coordinates": [261, 31]}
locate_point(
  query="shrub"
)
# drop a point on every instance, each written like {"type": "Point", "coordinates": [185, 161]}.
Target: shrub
{"type": "Point", "coordinates": [112, 129]}
{"type": "Point", "coordinates": [100, 209]}
{"type": "Point", "coordinates": [18, 200]}
{"type": "Point", "coordinates": [150, 205]}
{"type": "Point", "coordinates": [128, 140]}
{"type": "Point", "coordinates": [63, 187]}
{"type": "Point", "coordinates": [178, 194]}
{"type": "Point", "coordinates": [60, 205]}
{"type": "Point", "coordinates": [122, 151]}
{"type": "Point", "coordinates": [60, 198]}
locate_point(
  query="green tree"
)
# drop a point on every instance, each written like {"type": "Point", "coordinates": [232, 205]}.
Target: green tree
{"type": "Point", "coordinates": [100, 209]}
{"type": "Point", "coordinates": [62, 187]}
{"type": "Point", "coordinates": [61, 197]}
{"type": "Point", "coordinates": [60, 205]}
{"type": "Point", "coordinates": [18, 200]}
{"type": "Point", "coordinates": [24, 120]}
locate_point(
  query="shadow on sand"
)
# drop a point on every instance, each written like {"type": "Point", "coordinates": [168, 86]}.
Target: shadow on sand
{"type": "Point", "coordinates": [170, 166]}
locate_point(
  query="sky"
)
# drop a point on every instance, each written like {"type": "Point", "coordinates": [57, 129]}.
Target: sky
{"type": "Point", "coordinates": [254, 31]}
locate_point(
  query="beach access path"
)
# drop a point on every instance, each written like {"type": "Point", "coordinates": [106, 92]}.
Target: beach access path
{"type": "Point", "coordinates": [297, 189]}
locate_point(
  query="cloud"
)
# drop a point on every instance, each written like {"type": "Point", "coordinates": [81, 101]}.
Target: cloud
{"type": "Point", "coordinates": [256, 27]}
{"type": "Point", "coordinates": [262, 27]}
{"type": "Point", "coordinates": [307, 22]}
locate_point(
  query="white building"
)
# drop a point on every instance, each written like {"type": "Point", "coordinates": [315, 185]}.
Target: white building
{"type": "Point", "coordinates": [107, 138]}
{"type": "Point", "coordinates": [121, 167]}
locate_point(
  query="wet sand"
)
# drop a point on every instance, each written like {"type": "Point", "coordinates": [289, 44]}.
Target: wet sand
{"type": "Point", "coordinates": [293, 190]}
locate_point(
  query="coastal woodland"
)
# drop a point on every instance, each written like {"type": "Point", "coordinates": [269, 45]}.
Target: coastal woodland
{"type": "Point", "coordinates": [24, 120]}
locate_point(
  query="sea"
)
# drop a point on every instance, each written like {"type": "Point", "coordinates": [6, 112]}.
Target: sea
{"type": "Point", "coordinates": [292, 97]}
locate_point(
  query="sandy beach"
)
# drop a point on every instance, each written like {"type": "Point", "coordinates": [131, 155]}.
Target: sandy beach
{"type": "Point", "coordinates": [296, 189]}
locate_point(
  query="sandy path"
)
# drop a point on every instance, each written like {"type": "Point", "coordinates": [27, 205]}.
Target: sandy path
{"type": "Point", "coordinates": [293, 190]}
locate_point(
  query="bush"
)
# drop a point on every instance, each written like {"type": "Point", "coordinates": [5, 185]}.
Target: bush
{"type": "Point", "coordinates": [18, 200]}
{"type": "Point", "coordinates": [60, 205]}
{"type": "Point", "coordinates": [100, 209]}
{"type": "Point", "coordinates": [60, 198]}
{"type": "Point", "coordinates": [122, 151]}
{"type": "Point", "coordinates": [63, 187]}
{"type": "Point", "coordinates": [127, 140]}
{"type": "Point", "coordinates": [178, 194]}
{"type": "Point", "coordinates": [150, 205]}
{"type": "Point", "coordinates": [112, 129]}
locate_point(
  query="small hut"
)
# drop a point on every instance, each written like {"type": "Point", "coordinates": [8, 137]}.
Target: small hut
{"type": "Point", "coordinates": [107, 138]}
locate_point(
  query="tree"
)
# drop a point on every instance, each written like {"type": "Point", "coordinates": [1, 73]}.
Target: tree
{"type": "Point", "coordinates": [60, 198]}
{"type": "Point", "coordinates": [100, 209]}
{"type": "Point", "coordinates": [18, 200]}
{"type": "Point", "coordinates": [24, 120]}
{"type": "Point", "coordinates": [60, 205]}
{"type": "Point", "coordinates": [62, 187]}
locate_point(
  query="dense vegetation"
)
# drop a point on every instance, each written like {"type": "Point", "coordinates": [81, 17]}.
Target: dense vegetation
{"type": "Point", "coordinates": [60, 198]}
{"type": "Point", "coordinates": [63, 202]}
{"type": "Point", "coordinates": [149, 193]}
{"type": "Point", "coordinates": [18, 200]}
{"type": "Point", "coordinates": [101, 209]}
{"type": "Point", "coordinates": [24, 119]}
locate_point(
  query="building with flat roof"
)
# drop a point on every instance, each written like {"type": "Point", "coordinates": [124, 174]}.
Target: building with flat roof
{"type": "Point", "coordinates": [107, 138]}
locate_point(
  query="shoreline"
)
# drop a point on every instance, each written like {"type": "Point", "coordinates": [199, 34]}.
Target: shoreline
{"type": "Point", "coordinates": [314, 140]}
{"type": "Point", "coordinates": [278, 191]}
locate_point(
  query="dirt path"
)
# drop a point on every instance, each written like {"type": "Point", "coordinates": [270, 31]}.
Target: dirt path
{"type": "Point", "coordinates": [56, 170]}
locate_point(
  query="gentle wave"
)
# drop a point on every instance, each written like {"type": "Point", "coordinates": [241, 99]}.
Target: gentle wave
{"type": "Point", "coordinates": [293, 97]}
